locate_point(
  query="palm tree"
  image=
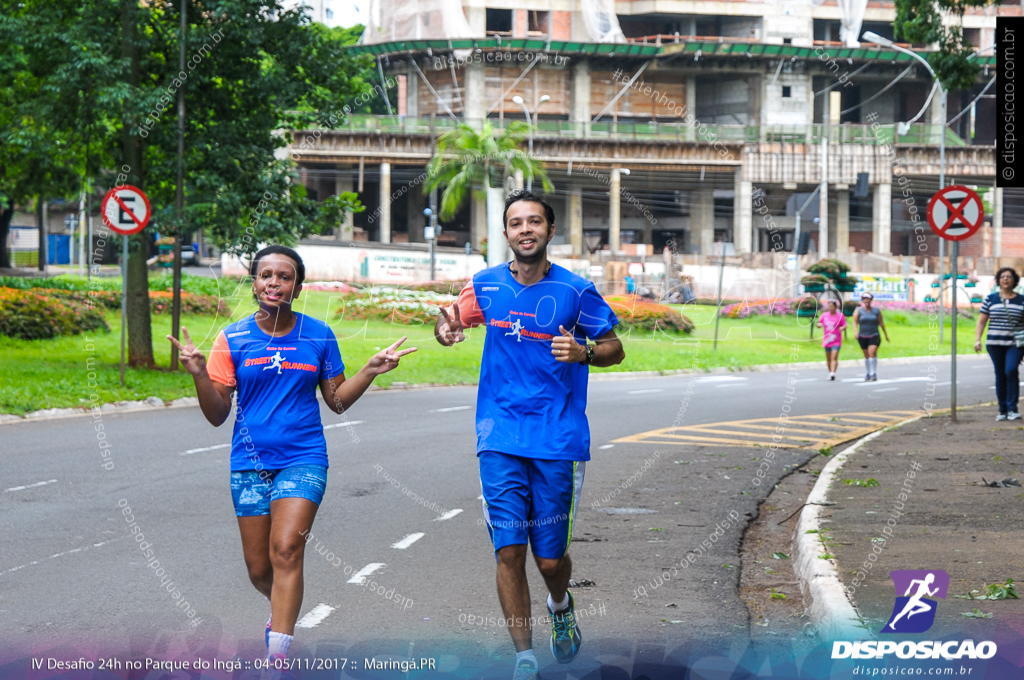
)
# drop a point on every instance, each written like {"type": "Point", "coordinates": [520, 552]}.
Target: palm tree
{"type": "Point", "coordinates": [469, 159]}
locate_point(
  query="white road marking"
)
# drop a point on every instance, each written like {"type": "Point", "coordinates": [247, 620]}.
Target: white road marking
{"type": "Point", "coordinates": [887, 389]}
{"type": "Point", "coordinates": [448, 515]}
{"type": "Point", "coordinates": [205, 448]}
{"type": "Point", "coordinates": [315, 616]}
{"type": "Point", "coordinates": [408, 540]}
{"type": "Point", "coordinates": [721, 378]}
{"type": "Point", "coordinates": [359, 578]}
{"type": "Point", "coordinates": [60, 554]}
{"type": "Point", "coordinates": [351, 422]}
{"type": "Point", "coordinates": [481, 496]}
{"type": "Point", "coordinates": [450, 409]}
{"type": "Point", "coordinates": [643, 391]}
{"type": "Point", "coordinates": [605, 447]}
{"type": "Point", "coordinates": [31, 486]}
{"type": "Point", "coordinates": [889, 381]}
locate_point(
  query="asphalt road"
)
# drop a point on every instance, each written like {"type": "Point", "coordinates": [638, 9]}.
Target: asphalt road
{"type": "Point", "coordinates": [70, 574]}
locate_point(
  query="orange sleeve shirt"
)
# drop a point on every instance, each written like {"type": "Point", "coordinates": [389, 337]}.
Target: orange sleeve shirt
{"type": "Point", "coordinates": [469, 310]}
{"type": "Point", "coordinates": [220, 366]}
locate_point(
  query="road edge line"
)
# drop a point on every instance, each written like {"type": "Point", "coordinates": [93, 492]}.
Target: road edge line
{"type": "Point", "coordinates": [830, 609]}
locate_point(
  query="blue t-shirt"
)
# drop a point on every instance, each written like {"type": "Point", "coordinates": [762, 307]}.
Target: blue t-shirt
{"type": "Point", "coordinates": [529, 404]}
{"type": "Point", "coordinates": [277, 416]}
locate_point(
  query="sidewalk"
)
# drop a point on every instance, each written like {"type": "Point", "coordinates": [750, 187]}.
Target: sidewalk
{"type": "Point", "coordinates": [945, 519]}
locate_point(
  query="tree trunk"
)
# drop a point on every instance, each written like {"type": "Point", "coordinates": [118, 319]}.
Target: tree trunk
{"type": "Point", "coordinates": [140, 331]}
{"type": "Point", "coordinates": [6, 215]}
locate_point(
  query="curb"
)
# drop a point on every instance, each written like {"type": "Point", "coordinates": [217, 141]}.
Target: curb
{"type": "Point", "coordinates": [830, 610]}
{"type": "Point", "coordinates": [764, 368]}
{"type": "Point", "coordinates": [125, 406]}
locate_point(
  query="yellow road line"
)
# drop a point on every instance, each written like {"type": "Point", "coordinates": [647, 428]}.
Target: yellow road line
{"type": "Point", "coordinates": [734, 433]}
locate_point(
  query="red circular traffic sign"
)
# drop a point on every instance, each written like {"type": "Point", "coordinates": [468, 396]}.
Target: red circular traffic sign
{"type": "Point", "coordinates": [126, 210]}
{"type": "Point", "coordinates": [955, 212]}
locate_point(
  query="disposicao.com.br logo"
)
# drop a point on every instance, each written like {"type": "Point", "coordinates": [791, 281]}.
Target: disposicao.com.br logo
{"type": "Point", "coordinates": [914, 612]}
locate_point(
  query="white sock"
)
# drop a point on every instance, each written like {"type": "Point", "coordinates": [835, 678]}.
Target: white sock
{"type": "Point", "coordinates": [528, 654]}
{"type": "Point", "coordinates": [279, 644]}
{"type": "Point", "coordinates": [564, 604]}
{"type": "Point", "coordinates": [874, 365]}
{"type": "Point", "coordinates": [867, 365]}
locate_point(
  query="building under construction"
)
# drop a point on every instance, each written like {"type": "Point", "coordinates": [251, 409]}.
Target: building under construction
{"type": "Point", "coordinates": [676, 123]}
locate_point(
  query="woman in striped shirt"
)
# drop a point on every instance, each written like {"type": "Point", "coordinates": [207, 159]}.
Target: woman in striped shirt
{"type": "Point", "coordinates": [1003, 311]}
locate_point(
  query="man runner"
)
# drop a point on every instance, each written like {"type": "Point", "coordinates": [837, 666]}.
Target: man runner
{"type": "Point", "coordinates": [533, 439]}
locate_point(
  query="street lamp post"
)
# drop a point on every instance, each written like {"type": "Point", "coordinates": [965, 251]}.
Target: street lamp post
{"type": "Point", "coordinates": [903, 128]}
{"type": "Point", "coordinates": [531, 121]}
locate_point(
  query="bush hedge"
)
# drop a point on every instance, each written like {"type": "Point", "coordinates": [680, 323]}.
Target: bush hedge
{"type": "Point", "coordinates": [32, 315]}
{"type": "Point", "coordinates": [635, 312]}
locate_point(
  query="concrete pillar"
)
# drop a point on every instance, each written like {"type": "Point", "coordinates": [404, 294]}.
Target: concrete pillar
{"type": "Point", "coordinates": [579, 96]}
{"type": "Point", "coordinates": [517, 177]}
{"type": "Point", "coordinates": [702, 219]}
{"type": "Point", "coordinates": [477, 218]}
{"type": "Point", "coordinates": [614, 211]}
{"type": "Point", "coordinates": [474, 94]}
{"type": "Point", "coordinates": [881, 219]}
{"type": "Point", "coordinates": [997, 222]}
{"type": "Point", "coordinates": [385, 202]}
{"type": "Point", "coordinates": [691, 107]}
{"type": "Point", "coordinates": [576, 219]}
{"type": "Point", "coordinates": [343, 183]}
{"type": "Point", "coordinates": [843, 221]}
{"type": "Point", "coordinates": [742, 215]}
{"type": "Point", "coordinates": [412, 92]}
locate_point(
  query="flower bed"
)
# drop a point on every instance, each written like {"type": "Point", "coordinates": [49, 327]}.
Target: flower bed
{"type": "Point", "coordinates": [636, 312]}
{"type": "Point", "coordinates": [160, 302]}
{"type": "Point", "coordinates": [786, 307]}
{"type": "Point", "coordinates": [33, 315]}
{"type": "Point", "coordinates": [399, 305]}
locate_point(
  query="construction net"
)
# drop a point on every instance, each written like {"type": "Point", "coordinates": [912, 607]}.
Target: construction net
{"type": "Point", "coordinates": [601, 21]}
{"type": "Point", "coordinates": [391, 20]}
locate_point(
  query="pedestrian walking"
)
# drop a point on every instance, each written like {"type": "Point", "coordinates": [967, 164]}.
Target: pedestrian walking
{"type": "Point", "coordinates": [833, 326]}
{"type": "Point", "coordinates": [276, 359]}
{"type": "Point", "coordinates": [1002, 311]}
{"type": "Point", "coordinates": [867, 322]}
{"type": "Point", "coordinates": [533, 439]}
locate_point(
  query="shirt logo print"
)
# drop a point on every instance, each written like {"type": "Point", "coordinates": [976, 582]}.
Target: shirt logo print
{"type": "Point", "coordinates": [275, 362]}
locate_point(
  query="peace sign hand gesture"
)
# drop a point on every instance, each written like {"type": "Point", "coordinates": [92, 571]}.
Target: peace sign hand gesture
{"type": "Point", "coordinates": [192, 359]}
{"type": "Point", "coordinates": [388, 358]}
{"type": "Point", "coordinates": [448, 331]}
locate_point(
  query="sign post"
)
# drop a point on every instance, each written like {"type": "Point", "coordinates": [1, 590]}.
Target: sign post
{"type": "Point", "coordinates": [954, 214]}
{"type": "Point", "coordinates": [126, 211]}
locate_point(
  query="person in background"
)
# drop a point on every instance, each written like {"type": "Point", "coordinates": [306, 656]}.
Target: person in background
{"type": "Point", "coordinates": [1003, 311]}
{"type": "Point", "coordinates": [832, 322]}
{"type": "Point", "coordinates": [630, 284]}
{"type": "Point", "coordinates": [867, 322]}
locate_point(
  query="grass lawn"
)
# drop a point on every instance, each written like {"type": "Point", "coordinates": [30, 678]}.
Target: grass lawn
{"type": "Point", "coordinates": [54, 373]}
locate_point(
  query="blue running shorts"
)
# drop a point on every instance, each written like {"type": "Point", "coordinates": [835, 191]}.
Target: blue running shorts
{"type": "Point", "coordinates": [529, 500]}
{"type": "Point", "coordinates": [253, 490]}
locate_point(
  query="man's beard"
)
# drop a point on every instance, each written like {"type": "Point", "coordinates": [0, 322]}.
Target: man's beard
{"type": "Point", "coordinates": [538, 256]}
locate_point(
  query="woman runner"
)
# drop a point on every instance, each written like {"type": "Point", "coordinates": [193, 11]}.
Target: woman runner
{"type": "Point", "coordinates": [276, 359]}
{"type": "Point", "coordinates": [1003, 311]}
{"type": "Point", "coordinates": [867, 321]}
{"type": "Point", "coordinates": [831, 323]}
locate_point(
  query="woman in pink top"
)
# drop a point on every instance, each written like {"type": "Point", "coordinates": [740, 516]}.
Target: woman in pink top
{"type": "Point", "coordinates": [832, 322]}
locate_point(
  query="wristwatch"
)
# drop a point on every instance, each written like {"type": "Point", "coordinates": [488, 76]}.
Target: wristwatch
{"type": "Point", "coordinates": [590, 356]}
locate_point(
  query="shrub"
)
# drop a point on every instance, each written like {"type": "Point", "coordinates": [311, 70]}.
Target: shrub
{"type": "Point", "coordinates": [833, 269]}
{"type": "Point", "coordinates": [636, 312]}
{"type": "Point", "coordinates": [160, 302]}
{"type": "Point", "coordinates": [30, 315]}
{"type": "Point", "coordinates": [815, 279]}
{"type": "Point", "coordinates": [198, 285]}
{"type": "Point", "coordinates": [767, 307]}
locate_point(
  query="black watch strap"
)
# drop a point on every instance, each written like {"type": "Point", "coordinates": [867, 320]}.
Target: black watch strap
{"type": "Point", "coordinates": [590, 356]}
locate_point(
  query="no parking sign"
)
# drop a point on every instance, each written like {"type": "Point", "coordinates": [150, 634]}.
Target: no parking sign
{"type": "Point", "coordinates": [955, 212]}
{"type": "Point", "coordinates": [126, 210]}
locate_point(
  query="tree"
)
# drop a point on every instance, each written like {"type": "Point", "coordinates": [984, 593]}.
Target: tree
{"type": "Point", "coordinates": [101, 77]}
{"type": "Point", "coordinates": [920, 21]}
{"type": "Point", "coordinates": [468, 158]}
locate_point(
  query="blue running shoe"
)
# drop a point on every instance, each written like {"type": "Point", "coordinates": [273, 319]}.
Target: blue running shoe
{"type": "Point", "coordinates": [526, 670]}
{"type": "Point", "coordinates": [565, 633]}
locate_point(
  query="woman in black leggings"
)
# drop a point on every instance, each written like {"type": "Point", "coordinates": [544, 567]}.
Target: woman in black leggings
{"type": "Point", "coordinates": [1002, 311]}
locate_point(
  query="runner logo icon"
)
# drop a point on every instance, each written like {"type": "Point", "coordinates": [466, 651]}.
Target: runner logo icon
{"type": "Point", "coordinates": [914, 611]}
{"type": "Point", "coordinates": [517, 330]}
{"type": "Point", "coordinates": [276, 361]}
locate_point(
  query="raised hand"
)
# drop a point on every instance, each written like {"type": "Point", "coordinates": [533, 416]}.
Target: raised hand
{"type": "Point", "coordinates": [192, 359]}
{"type": "Point", "coordinates": [565, 348]}
{"type": "Point", "coordinates": [388, 358]}
{"type": "Point", "coordinates": [449, 331]}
